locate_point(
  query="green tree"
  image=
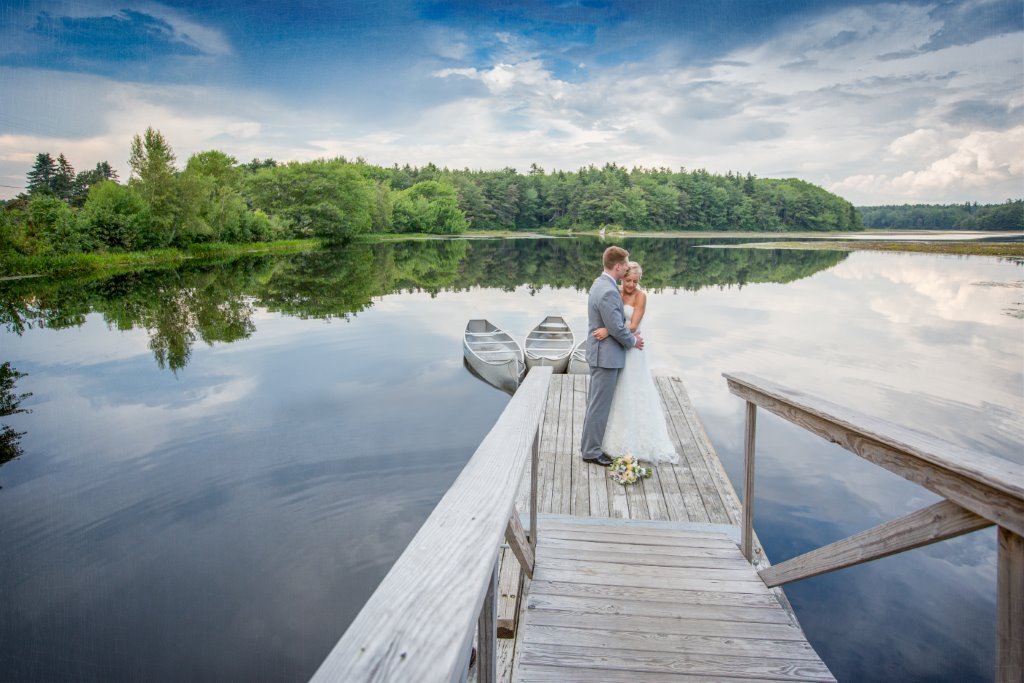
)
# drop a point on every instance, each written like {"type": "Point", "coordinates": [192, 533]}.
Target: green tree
{"type": "Point", "coordinates": [116, 217]}
{"type": "Point", "coordinates": [64, 179]}
{"type": "Point", "coordinates": [213, 181]}
{"type": "Point", "coordinates": [328, 199]}
{"type": "Point", "coordinates": [153, 176]}
{"type": "Point", "coordinates": [51, 223]}
{"type": "Point", "coordinates": [41, 177]}
{"type": "Point", "coordinates": [428, 206]}
{"type": "Point", "coordinates": [85, 180]}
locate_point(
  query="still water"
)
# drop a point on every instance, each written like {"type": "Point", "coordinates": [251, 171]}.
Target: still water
{"type": "Point", "coordinates": [222, 461]}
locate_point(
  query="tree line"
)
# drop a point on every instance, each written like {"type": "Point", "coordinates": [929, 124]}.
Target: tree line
{"type": "Point", "coordinates": [214, 198]}
{"type": "Point", "coordinates": [1006, 216]}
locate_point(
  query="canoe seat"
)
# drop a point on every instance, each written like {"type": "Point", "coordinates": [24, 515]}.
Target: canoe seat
{"type": "Point", "coordinates": [488, 343]}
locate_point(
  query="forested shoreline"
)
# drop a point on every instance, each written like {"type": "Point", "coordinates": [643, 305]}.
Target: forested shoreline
{"type": "Point", "coordinates": [215, 199]}
{"type": "Point", "coordinates": [1006, 216]}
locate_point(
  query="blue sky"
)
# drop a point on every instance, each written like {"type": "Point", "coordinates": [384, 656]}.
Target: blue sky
{"type": "Point", "coordinates": [881, 102]}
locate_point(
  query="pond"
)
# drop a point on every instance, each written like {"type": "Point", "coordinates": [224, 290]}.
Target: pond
{"type": "Point", "coordinates": [223, 460]}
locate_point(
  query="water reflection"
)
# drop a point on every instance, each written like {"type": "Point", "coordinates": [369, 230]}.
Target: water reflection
{"type": "Point", "coordinates": [10, 404]}
{"type": "Point", "coordinates": [216, 303]}
{"type": "Point", "coordinates": [226, 521]}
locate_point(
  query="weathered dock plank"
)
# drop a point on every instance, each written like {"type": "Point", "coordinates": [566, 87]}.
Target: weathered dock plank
{"type": "Point", "coordinates": [576, 615]}
{"type": "Point", "coordinates": [647, 583]}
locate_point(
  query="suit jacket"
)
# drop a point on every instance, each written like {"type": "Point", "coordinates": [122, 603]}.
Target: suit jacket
{"type": "Point", "coordinates": [604, 309]}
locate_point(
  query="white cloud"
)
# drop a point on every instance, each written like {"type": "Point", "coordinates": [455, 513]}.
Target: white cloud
{"type": "Point", "coordinates": [980, 161]}
{"type": "Point", "coordinates": [825, 101]}
{"type": "Point", "coordinates": [447, 43]}
{"type": "Point", "coordinates": [192, 119]}
{"type": "Point", "coordinates": [922, 142]}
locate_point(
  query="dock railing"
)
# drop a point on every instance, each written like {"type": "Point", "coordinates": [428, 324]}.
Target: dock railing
{"type": "Point", "coordinates": [977, 490]}
{"type": "Point", "coordinates": [419, 623]}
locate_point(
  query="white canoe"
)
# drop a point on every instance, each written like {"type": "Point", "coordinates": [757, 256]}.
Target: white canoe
{"type": "Point", "coordinates": [578, 364]}
{"type": "Point", "coordinates": [550, 344]}
{"type": "Point", "coordinates": [493, 355]}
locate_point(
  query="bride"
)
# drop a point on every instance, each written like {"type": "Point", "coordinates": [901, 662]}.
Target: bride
{"type": "Point", "coordinates": [636, 423]}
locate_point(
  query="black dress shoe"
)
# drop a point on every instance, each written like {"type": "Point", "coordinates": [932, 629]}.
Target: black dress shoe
{"type": "Point", "coordinates": [603, 460]}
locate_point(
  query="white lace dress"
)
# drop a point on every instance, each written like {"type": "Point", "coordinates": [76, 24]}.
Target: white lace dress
{"type": "Point", "coordinates": [636, 423]}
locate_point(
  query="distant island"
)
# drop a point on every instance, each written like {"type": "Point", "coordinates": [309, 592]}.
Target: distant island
{"type": "Point", "coordinates": [1006, 216]}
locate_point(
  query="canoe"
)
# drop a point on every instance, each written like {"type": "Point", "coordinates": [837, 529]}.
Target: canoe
{"type": "Point", "coordinates": [550, 344]}
{"type": "Point", "coordinates": [578, 364]}
{"type": "Point", "coordinates": [493, 355]}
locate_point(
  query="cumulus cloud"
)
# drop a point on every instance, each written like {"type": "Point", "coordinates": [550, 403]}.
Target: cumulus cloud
{"type": "Point", "coordinates": [922, 142]}
{"type": "Point", "coordinates": [821, 101]}
{"type": "Point", "coordinates": [824, 99]}
{"type": "Point", "coordinates": [192, 119]}
{"type": "Point", "coordinates": [979, 161]}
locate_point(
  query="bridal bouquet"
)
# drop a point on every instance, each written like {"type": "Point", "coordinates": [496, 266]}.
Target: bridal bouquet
{"type": "Point", "coordinates": [627, 470]}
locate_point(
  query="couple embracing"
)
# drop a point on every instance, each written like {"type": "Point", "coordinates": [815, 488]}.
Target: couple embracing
{"type": "Point", "coordinates": [624, 413]}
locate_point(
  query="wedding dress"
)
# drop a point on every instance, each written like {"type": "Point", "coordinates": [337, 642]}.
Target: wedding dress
{"type": "Point", "coordinates": [636, 423]}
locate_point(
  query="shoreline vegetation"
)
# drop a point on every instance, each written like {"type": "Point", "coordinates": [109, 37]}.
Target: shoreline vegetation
{"type": "Point", "coordinates": [16, 268]}
{"type": "Point", "coordinates": [1013, 250]}
{"type": "Point", "coordinates": [214, 207]}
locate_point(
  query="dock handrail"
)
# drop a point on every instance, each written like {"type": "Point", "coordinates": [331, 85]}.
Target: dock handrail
{"type": "Point", "coordinates": [419, 623]}
{"type": "Point", "coordinates": [978, 491]}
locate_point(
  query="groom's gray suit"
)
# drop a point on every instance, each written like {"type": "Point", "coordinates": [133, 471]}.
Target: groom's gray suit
{"type": "Point", "coordinates": [605, 358]}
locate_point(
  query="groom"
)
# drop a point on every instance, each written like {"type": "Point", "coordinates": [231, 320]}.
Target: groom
{"type": "Point", "coordinates": [608, 355]}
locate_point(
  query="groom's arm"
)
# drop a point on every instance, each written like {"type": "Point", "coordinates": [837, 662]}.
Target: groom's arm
{"type": "Point", "coordinates": [612, 317]}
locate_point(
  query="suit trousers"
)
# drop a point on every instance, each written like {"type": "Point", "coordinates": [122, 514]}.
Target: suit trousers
{"type": "Point", "coordinates": [599, 404]}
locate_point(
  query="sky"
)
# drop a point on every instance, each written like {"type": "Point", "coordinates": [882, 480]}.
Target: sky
{"type": "Point", "coordinates": [880, 102]}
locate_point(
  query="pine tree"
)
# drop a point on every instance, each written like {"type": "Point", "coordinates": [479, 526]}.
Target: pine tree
{"type": "Point", "coordinates": [85, 181]}
{"type": "Point", "coordinates": [64, 179]}
{"type": "Point", "coordinates": [41, 177]}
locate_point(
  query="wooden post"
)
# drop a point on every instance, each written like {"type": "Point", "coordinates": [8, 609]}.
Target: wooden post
{"type": "Point", "coordinates": [534, 464]}
{"type": "Point", "coordinates": [1010, 607]}
{"type": "Point", "coordinates": [487, 632]}
{"type": "Point", "coordinates": [517, 543]}
{"type": "Point", "coordinates": [748, 483]}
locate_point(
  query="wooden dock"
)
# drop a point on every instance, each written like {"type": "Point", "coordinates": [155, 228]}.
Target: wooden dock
{"type": "Point", "coordinates": [659, 581]}
{"type": "Point", "coordinates": [642, 582]}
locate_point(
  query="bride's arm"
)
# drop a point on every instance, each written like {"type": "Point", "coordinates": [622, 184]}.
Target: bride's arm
{"type": "Point", "coordinates": [639, 308]}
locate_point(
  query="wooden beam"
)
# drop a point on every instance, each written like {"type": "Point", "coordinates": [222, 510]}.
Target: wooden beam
{"type": "Point", "coordinates": [516, 539]}
{"type": "Point", "coordinates": [534, 464]}
{"type": "Point", "coordinates": [989, 486]}
{"type": "Point", "coordinates": [419, 623]}
{"type": "Point", "coordinates": [748, 482]}
{"type": "Point", "coordinates": [510, 581]}
{"type": "Point", "coordinates": [935, 523]}
{"type": "Point", "coordinates": [487, 632]}
{"type": "Point", "coordinates": [1010, 606]}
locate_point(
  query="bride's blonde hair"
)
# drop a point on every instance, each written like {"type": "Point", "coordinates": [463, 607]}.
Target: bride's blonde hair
{"type": "Point", "coordinates": [635, 269]}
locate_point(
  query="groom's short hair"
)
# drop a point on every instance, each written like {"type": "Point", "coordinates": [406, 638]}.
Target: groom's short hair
{"type": "Point", "coordinates": [614, 255]}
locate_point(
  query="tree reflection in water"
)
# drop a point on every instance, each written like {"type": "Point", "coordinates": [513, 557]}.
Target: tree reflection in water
{"type": "Point", "coordinates": [215, 301]}
{"type": "Point", "coordinates": [10, 402]}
